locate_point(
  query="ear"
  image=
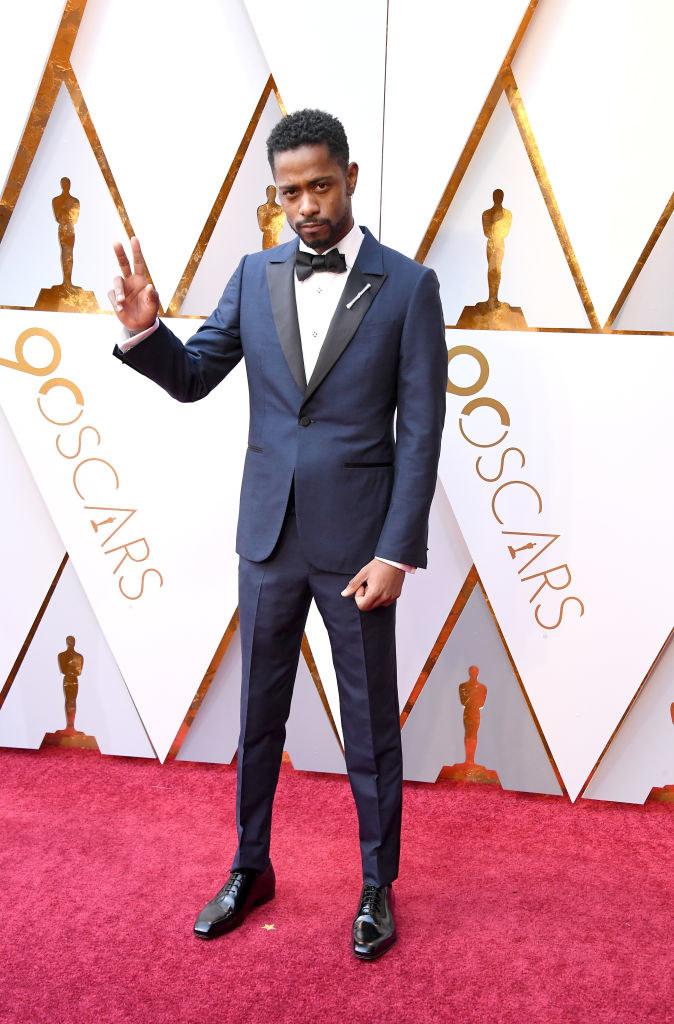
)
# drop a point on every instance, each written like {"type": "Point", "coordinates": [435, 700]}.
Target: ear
{"type": "Point", "coordinates": [351, 178]}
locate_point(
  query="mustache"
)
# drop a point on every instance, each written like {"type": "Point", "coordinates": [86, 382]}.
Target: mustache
{"type": "Point", "coordinates": [310, 223]}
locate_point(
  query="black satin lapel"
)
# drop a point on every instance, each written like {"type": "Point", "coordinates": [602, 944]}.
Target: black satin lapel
{"type": "Point", "coordinates": [345, 322]}
{"type": "Point", "coordinates": [284, 310]}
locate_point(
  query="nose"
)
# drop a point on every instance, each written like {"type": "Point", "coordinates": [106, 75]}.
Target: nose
{"type": "Point", "coordinates": [308, 205]}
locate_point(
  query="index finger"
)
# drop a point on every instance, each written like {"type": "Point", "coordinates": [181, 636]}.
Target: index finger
{"type": "Point", "coordinates": [124, 265]}
{"type": "Point", "coordinates": [138, 261]}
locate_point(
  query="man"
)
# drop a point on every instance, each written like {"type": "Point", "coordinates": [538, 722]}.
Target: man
{"type": "Point", "coordinates": [337, 331]}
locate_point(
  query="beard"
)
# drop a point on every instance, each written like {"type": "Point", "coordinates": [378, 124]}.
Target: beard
{"type": "Point", "coordinates": [336, 230]}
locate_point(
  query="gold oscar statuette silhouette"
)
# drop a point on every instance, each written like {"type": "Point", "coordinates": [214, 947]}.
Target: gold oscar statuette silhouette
{"type": "Point", "coordinates": [493, 314]}
{"type": "Point", "coordinates": [270, 219]}
{"type": "Point", "coordinates": [66, 297]}
{"type": "Point", "coordinates": [70, 663]}
{"type": "Point", "coordinates": [664, 793]}
{"type": "Point", "coordinates": [472, 695]}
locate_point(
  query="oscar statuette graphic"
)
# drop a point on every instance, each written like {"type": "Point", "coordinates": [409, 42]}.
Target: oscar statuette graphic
{"type": "Point", "coordinates": [66, 297]}
{"type": "Point", "coordinates": [270, 218]}
{"type": "Point", "coordinates": [493, 314]}
{"type": "Point", "coordinates": [70, 663]}
{"type": "Point", "coordinates": [473, 695]}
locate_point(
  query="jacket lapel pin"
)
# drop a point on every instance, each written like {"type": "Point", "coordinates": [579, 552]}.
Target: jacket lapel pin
{"type": "Point", "coordinates": [354, 300]}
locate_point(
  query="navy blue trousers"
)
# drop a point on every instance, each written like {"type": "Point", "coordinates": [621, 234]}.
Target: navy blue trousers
{"type": "Point", "coordinates": [274, 599]}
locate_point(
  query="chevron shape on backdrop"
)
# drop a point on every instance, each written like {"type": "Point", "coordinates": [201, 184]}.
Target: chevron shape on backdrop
{"type": "Point", "coordinates": [168, 187]}
{"type": "Point", "coordinates": [640, 757]}
{"type": "Point", "coordinates": [646, 302]}
{"type": "Point", "coordinates": [351, 89]}
{"type": "Point", "coordinates": [537, 247]}
{"type": "Point", "coordinates": [17, 99]}
{"type": "Point", "coordinates": [35, 706]}
{"type": "Point", "coordinates": [600, 88]}
{"type": "Point", "coordinates": [67, 148]}
{"type": "Point", "coordinates": [476, 723]}
{"type": "Point", "coordinates": [535, 274]}
{"type": "Point", "coordinates": [436, 84]}
{"type": "Point", "coordinates": [232, 225]}
{"type": "Point", "coordinates": [31, 554]}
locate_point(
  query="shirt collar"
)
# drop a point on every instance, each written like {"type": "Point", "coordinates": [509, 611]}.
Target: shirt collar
{"type": "Point", "coordinates": [349, 245]}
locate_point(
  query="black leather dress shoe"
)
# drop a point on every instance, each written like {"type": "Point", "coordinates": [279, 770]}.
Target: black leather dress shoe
{"type": "Point", "coordinates": [242, 891]}
{"type": "Point", "coordinates": [374, 930]}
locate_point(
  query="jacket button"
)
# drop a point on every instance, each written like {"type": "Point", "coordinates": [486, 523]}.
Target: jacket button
{"type": "Point", "coordinates": [305, 421]}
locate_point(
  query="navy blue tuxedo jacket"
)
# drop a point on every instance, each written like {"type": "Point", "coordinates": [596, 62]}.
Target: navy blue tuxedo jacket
{"type": "Point", "coordinates": [360, 489]}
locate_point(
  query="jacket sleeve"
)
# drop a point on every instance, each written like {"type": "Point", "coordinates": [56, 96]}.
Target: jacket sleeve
{"type": "Point", "coordinates": [189, 372]}
{"type": "Point", "coordinates": [421, 402]}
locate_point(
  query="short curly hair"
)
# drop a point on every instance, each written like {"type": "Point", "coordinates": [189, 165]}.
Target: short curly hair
{"type": "Point", "coordinates": [309, 128]}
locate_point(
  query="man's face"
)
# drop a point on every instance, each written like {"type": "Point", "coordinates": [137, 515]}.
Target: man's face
{"type": "Point", "coordinates": [315, 193]}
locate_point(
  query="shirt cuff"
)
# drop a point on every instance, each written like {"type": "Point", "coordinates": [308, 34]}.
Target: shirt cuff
{"type": "Point", "coordinates": [396, 565]}
{"type": "Point", "coordinates": [130, 338]}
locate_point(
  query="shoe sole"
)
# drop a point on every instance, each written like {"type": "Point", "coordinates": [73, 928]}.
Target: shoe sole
{"type": "Point", "coordinates": [236, 923]}
{"type": "Point", "coordinates": [377, 953]}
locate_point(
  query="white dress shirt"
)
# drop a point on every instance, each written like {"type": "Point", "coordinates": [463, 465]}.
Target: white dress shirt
{"type": "Point", "coordinates": [316, 297]}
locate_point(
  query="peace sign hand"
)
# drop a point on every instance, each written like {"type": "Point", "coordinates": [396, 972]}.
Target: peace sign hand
{"type": "Point", "coordinates": [133, 298]}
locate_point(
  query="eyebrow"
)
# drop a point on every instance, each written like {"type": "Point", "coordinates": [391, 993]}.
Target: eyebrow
{"type": "Point", "coordinates": [314, 181]}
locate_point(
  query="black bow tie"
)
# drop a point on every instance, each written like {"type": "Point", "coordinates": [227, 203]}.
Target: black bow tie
{"type": "Point", "coordinates": [307, 263]}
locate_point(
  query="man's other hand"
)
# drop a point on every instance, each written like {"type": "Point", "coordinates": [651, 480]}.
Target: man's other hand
{"type": "Point", "coordinates": [376, 584]}
{"type": "Point", "coordinates": [133, 298]}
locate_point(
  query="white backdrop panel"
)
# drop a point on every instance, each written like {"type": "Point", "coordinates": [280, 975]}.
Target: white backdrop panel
{"type": "Point", "coordinates": [642, 754]}
{"type": "Point", "coordinates": [178, 467]}
{"type": "Point", "coordinates": [650, 303]}
{"type": "Point", "coordinates": [535, 274]}
{"type": "Point", "coordinates": [28, 32]}
{"type": "Point", "coordinates": [36, 704]}
{"type": "Point", "coordinates": [334, 62]}
{"type": "Point", "coordinates": [508, 741]}
{"type": "Point", "coordinates": [597, 82]}
{"type": "Point", "coordinates": [171, 101]}
{"type": "Point", "coordinates": [214, 733]}
{"type": "Point", "coordinates": [30, 550]}
{"type": "Point", "coordinates": [442, 62]}
{"type": "Point", "coordinates": [594, 423]}
{"type": "Point", "coordinates": [25, 267]}
{"type": "Point", "coordinates": [236, 231]}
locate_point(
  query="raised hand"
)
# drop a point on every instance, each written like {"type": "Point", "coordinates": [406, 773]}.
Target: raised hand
{"type": "Point", "coordinates": [133, 298]}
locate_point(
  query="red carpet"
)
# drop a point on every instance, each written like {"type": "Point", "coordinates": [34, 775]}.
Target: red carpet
{"type": "Point", "coordinates": [512, 909]}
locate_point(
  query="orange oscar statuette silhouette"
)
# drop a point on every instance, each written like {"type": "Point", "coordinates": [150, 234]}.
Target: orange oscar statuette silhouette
{"type": "Point", "coordinates": [472, 695]}
{"type": "Point", "coordinates": [70, 663]}
{"type": "Point", "coordinates": [665, 794]}
{"type": "Point", "coordinates": [493, 314]}
{"type": "Point", "coordinates": [270, 219]}
{"type": "Point", "coordinates": [66, 297]}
